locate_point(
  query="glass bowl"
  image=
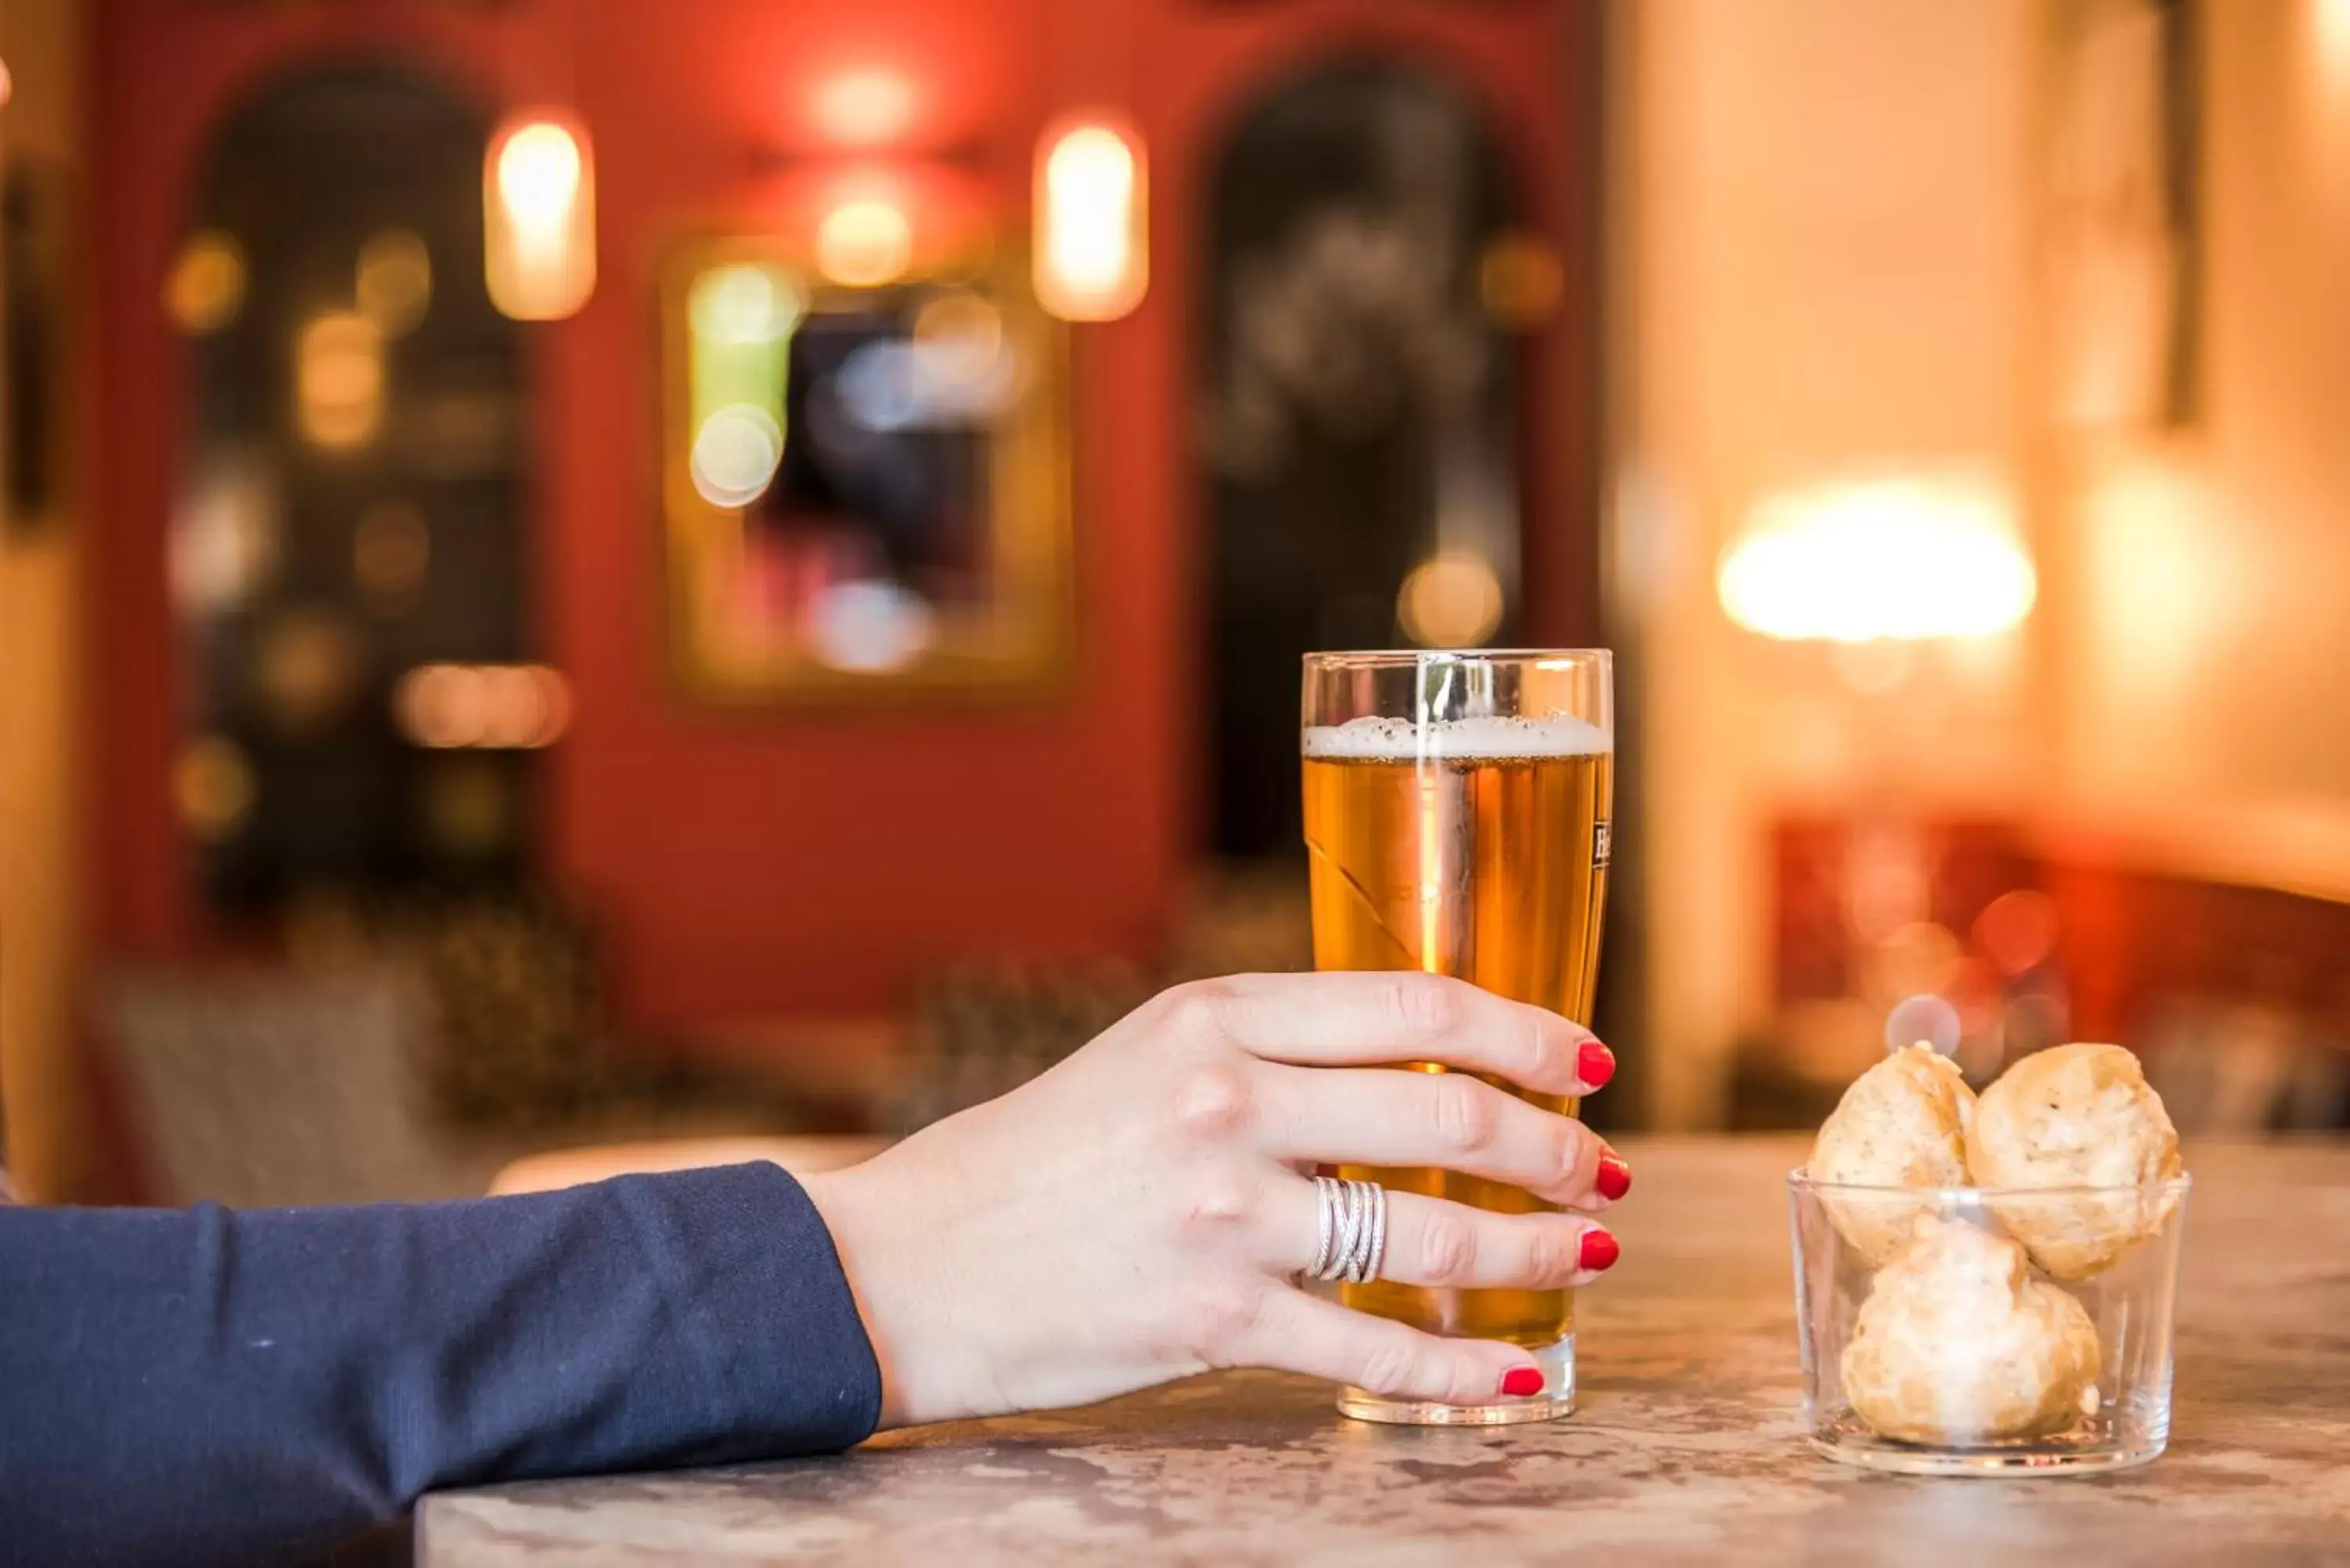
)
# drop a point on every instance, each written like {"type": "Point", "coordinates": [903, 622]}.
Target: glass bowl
{"type": "Point", "coordinates": [1936, 1341]}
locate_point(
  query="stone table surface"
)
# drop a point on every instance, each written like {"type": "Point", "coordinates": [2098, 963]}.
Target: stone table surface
{"type": "Point", "coordinates": [1686, 1449]}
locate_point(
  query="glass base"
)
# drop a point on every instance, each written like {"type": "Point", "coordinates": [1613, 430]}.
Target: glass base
{"type": "Point", "coordinates": [2089, 1449]}
{"type": "Point", "coordinates": [1557, 1399]}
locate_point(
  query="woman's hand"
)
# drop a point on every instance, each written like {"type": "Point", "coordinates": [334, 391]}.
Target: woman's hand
{"type": "Point", "coordinates": [1138, 1212]}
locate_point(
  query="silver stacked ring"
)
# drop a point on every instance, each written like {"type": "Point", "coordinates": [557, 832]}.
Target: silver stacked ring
{"type": "Point", "coordinates": [1350, 1231]}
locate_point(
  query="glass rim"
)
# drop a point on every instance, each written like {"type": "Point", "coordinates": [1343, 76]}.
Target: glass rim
{"type": "Point", "coordinates": [1801, 1179]}
{"type": "Point", "coordinates": [1404, 657]}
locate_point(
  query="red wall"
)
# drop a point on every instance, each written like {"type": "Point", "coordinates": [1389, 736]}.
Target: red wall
{"type": "Point", "coordinates": [776, 861]}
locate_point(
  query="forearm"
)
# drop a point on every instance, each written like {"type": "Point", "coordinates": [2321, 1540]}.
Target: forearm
{"type": "Point", "coordinates": [201, 1385]}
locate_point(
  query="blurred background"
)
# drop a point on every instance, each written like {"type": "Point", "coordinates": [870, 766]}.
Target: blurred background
{"type": "Point", "coordinates": [583, 574]}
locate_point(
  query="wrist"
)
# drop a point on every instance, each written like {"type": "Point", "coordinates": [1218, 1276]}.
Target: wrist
{"type": "Point", "coordinates": [879, 1236]}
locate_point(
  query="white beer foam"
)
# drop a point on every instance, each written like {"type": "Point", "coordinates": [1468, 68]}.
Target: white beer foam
{"type": "Point", "coordinates": [1375, 739]}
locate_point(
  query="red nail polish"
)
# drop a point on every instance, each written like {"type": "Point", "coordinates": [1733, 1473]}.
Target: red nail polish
{"type": "Point", "coordinates": [1520, 1381]}
{"type": "Point", "coordinates": [1595, 1064]}
{"type": "Point", "coordinates": [1614, 1178]}
{"type": "Point", "coordinates": [1600, 1251]}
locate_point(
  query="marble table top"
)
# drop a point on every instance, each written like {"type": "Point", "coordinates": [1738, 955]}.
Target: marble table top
{"type": "Point", "coordinates": [1686, 1450]}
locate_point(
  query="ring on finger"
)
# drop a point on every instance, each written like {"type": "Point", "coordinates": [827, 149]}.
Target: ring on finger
{"type": "Point", "coordinates": [1350, 1231]}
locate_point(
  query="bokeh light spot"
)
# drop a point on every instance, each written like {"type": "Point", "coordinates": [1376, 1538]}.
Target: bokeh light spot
{"type": "Point", "coordinates": [338, 379]}
{"type": "Point", "coordinates": [861, 108]}
{"type": "Point", "coordinates": [743, 304]}
{"type": "Point", "coordinates": [1452, 600]}
{"type": "Point", "coordinates": [206, 286]}
{"type": "Point", "coordinates": [1930, 1019]}
{"type": "Point", "coordinates": [1520, 280]}
{"type": "Point", "coordinates": [494, 707]}
{"type": "Point", "coordinates": [306, 671]}
{"type": "Point", "coordinates": [391, 552]}
{"type": "Point", "coordinates": [871, 627]}
{"type": "Point", "coordinates": [394, 286]}
{"type": "Point", "coordinates": [735, 454]}
{"type": "Point", "coordinates": [2017, 931]}
{"type": "Point", "coordinates": [213, 786]}
{"type": "Point", "coordinates": [864, 243]}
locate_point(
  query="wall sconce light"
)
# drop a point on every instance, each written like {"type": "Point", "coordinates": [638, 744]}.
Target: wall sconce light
{"type": "Point", "coordinates": [864, 242]}
{"type": "Point", "coordinates": [1901, 559]}
{"type": "Point", "coordinates": [538, 203]}
{"type": "Point", "coordinates": [1092, 216]}
{"type": "Point", "coordinates": [865, 108]}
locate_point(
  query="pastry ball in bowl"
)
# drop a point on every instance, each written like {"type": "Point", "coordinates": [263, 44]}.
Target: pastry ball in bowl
{"type": "Point", "coordinates": [1959, 1344]}
{"type": "Point", "coordinates": [1903, 1123]}
{"type": "Point", "coordinates": [2077, 1117]}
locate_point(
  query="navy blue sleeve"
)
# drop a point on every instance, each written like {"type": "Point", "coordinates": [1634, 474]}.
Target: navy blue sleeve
{"type": "Point", "coordinates": [199, 1387]}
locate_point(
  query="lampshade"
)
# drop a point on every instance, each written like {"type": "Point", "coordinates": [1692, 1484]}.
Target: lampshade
{"type": "Point", "coordinates": [538, 205]}
{"type": "Point", "coordinates": [1092, 242]}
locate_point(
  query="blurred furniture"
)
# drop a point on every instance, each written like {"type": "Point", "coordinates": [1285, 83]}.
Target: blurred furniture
{"type": "Point", "coordinates": [985, 1029]}
{"type": "Point", "coordinates": [517, 986]}
{"type": "Point", "coordinates": [575, 1166]}
{"type": "Point", "coordinates": [2218, 948]}
{"type": "Point", "coordinates": [268, 1087]}
{"type": "Point", "coordinates": [524, 1047]}
{"type": "Point", "coordinates": [1690, 1451]}
{"type": "Point", "coordinates": [1243, 917]}
{"type": "Point", "coordinates": [410, 1057]}
{"type": "Point", "coordinates": [981, 1030]}
{"type": "Point", "coordinates": [841, 1073]}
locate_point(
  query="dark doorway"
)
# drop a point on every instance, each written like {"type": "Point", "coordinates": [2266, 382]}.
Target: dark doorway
{"type": "Point", "coordinates": [1360, 408]}
{"type": "Point", "coordinates": [350, 510]}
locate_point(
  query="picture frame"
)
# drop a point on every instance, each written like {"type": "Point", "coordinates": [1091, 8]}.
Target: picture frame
{"type": "Point", "coordinates": [798, 580]}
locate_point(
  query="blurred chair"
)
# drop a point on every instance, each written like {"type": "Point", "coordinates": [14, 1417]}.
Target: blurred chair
{"type": "Point", "coordinates": [983, 1030]}
{"type": "Point", "coordinates": [277, 1087]}
{"type": "Point", "coordinates": [2241, 1069]}
{"type": "Point", "coordinates": [521, 1036]}
{"type": "Point", "coordinates": [576, 1167]}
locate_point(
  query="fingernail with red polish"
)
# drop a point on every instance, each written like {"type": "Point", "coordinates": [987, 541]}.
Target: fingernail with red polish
{"type": "Point", "coordinates": [1595, 1064]}
{"type": "Point", "coordinates": [1520, 1381]}
{"type": "Point", "coordinates": [1614, 1178]}
{"type": "Point", "coordinates": [1600, 1251]}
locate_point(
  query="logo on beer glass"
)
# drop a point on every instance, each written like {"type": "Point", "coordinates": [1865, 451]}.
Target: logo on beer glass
{"type": "Point", "coordinates": [1600, 840]}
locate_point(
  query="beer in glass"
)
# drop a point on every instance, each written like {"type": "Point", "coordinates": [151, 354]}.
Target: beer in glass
{"type": "Point", "coordinates": [1457, 821]}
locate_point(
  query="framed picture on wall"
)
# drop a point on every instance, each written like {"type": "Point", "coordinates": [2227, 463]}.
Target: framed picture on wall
{"type": "Point", "coordinates": [2123, 219]}
{"type": "Point", "coordinates": [866, 486]}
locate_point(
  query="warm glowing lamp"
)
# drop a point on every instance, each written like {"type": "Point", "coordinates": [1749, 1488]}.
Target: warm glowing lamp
{"type": "Point", "coordinates": [1092, 244]}
{"type": "Point", "coordinates": [865, 243]}
{"type": "Point", "coordinates": [865, 108]}
{"type": "Point", "coordinates": [538, 203]}
{"type": "Point", "coordinates": [1900, 559]}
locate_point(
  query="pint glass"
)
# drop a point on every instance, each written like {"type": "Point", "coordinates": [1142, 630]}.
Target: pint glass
{"type": "Point", "coordinates": [1457, 821]}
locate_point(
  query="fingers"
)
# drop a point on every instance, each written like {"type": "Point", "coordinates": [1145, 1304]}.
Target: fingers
{"type": "Point", "coordinates": [1436, 1242]}
{"type": "Point", "coordinates": [1297, 1333]}
{"type": "Point", "coordinates": [1430, 1242]}
{"type": "Point", "coordinates": [1360, 1019]}
{"type": "Point", "coordinates": [1385, 1117]}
